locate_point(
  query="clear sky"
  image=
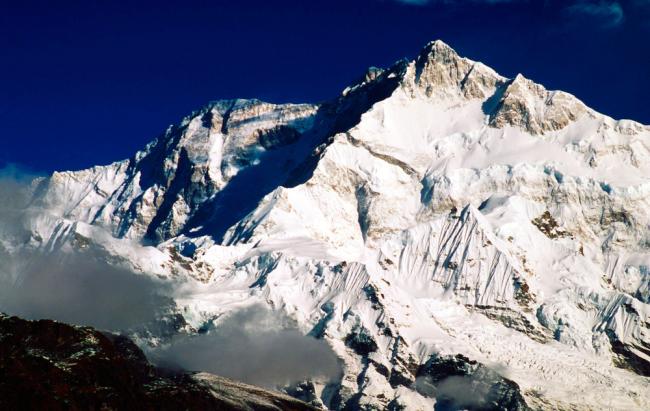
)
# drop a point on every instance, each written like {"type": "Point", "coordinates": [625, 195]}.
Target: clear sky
{"type": "Point", "coordinates": [90, 82]}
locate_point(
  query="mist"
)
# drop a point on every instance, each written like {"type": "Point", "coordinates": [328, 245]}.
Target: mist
{"type": "Point", "coordinates": [78, 287]}
{"type": "Point", "coordinates": [84, 287]}
{"type": "Point", "coordinates": [253, 345]}
{"type": "Point", "coordinates": [15, 190]}
{"type": "Point", "coordinates": [481, 387]}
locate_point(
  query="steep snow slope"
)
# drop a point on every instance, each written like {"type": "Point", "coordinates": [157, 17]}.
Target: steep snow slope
{"type": "Point", "coordinates": [435, 220]}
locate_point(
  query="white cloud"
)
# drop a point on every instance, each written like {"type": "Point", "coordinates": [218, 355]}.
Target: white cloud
{"type": "Point", "coordinates": [425, 2]}
{"type": "Point", "coordinates": [253, 345]}
{"type": "Point", "coordinates": [605, 13]}
{"type": "Point", "coordinates": [413, 2]}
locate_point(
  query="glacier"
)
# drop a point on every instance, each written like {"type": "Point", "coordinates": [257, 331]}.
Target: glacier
{"type": "Point", "coordinates": [434, 216]}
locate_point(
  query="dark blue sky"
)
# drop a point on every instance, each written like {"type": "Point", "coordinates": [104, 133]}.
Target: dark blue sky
{"type": "Point", "coordinates": [84, 83]}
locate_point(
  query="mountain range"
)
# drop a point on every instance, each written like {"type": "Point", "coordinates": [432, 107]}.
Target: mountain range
{"type": "Point", "coordinates": [457, 238]}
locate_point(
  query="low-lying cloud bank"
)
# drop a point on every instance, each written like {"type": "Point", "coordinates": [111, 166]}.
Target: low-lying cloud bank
{"type": "Point", "coordinates": [79, 288]}
{"type": "Point", "coordinates": [253, 345]}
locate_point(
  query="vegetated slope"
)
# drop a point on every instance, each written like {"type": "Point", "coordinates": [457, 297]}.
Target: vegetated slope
{"type": "Point", "coordinates": [55, 366]}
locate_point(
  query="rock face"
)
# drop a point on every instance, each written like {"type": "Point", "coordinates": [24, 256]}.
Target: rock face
{"type": "Point", "coordinates": [55, 366]}
{"type": "Point", "coordinates": [530, 106]}
{"type": "Point", "coordinates": [460, 383]}
{"type": "Point", "coordinates": [439, 70]}
{"type": "Point", "coordinates": [435, 208]}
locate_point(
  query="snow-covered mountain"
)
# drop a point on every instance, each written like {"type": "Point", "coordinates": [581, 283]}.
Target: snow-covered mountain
{"type": "Point", "coordinates": [445, 229]}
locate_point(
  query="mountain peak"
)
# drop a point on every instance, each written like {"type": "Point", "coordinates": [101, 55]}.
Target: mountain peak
{"type": "Point", "coordinates": [440, 71]}
{"type": "Point", "coordinates": [528, 105]}
{"type": "Point", "coordinates": [435, 214]}
{"type": "Point", "coordinates": [439, 47]}
{"type": "Point", "coordinates": [441, 53]}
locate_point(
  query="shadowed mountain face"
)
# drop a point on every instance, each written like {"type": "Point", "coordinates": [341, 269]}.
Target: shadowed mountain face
{"type": "Point", "coordinates": [50, 365]}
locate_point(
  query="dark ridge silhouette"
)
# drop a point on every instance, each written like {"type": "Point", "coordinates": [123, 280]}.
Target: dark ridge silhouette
{"type": "Point", "coordinates": [47, 365]}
